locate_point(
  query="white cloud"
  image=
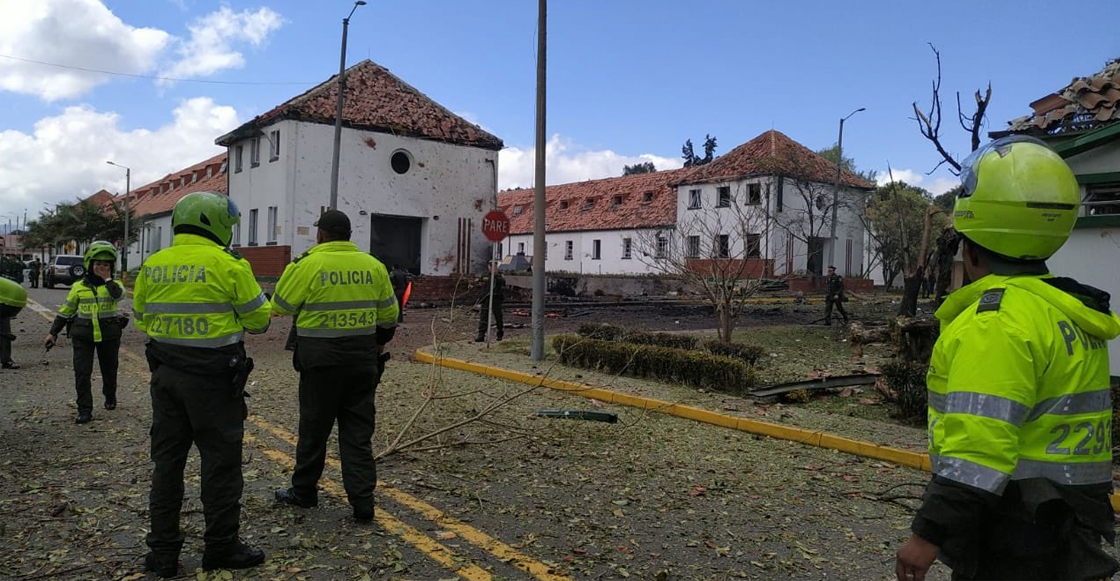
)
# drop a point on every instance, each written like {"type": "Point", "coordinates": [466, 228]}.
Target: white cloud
{"type": "Point", "coordinates": [79, 33]}
{"type": "Point", "coordinates": [64, 157]}
{"type": "Point", "coordinates": [935, 185]}
{"type": "Point", "coordinates": [211, 45]}
{"type": "Point", "coordinates": [566, 162]}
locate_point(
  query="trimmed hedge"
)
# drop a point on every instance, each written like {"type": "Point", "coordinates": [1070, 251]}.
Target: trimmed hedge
{"type": "Point", "coordinates": [749, 354]}
{"type": "Point", "coordinates": [680, 365]}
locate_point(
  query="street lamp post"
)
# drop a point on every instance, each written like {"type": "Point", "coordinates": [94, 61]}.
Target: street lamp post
{"type": "Point", "coordinates": [338, 109]}
{"type": "Point", "coordinates": [836, 189]}
{"type": "Point", "coordinates": [127, 190]}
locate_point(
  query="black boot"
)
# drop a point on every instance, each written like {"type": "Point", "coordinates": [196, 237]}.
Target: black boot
{"type": "Point", "coordinates": [111, 404]}
{"type": "Point", "coordinates": [235, 556]}
{"type": "Point", "coordinates": [84, 417]}
{"type": "Point", "coordinates": [162, 565]}
{"type": "Point", "coordinates": [289, 496]}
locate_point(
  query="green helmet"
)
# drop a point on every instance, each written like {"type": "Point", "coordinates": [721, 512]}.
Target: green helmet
{"type": "Point", "coordinates": [208, 214]}
{"type": "Point", "coordinates": [1018, 199]}
{"type": "Point", "coordinates": [13, 297]}
{"type": "Point", "coordinates": [99, 250]}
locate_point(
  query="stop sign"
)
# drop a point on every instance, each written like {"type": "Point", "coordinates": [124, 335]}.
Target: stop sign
{"type": "Point", "coordinates": [495, 225]}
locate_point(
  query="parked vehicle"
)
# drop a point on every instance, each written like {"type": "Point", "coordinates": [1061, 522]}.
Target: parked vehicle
{"type": "Point", "coordinates": [64, 269]}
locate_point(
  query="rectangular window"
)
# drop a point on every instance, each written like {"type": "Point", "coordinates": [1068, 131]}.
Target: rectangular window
{"type": "Point", "coordinates": [521, 248]}
{"type": "Point", "coordinates": [517, 210]}
{"type": "Point", "coordinates": [596, 249]}
{"type": "Point", "coordinates": [194, 177]}
{"type": "Point", "coordinates": [662, 247]}
{"type": "Point", "coordinates": [724, 197]}
{"type": "Point", "coordinates": [779, 202]}
{"type": "Point", "coordinates": [237, 152]}
{"type": "Point", "coordinates": [692, 250]}
{"type": "Point", "coordinates": [616, 201]}
{"type": "Point", "coordinates": [1102, 199]}
{"type": "Point", "coordinates": [253, 227]}
{"type": "Point", "coordinates": [209, 171]}
{"type": "Point", "coordinates": [274, 145]}
{"type": "Point", "coordinates": [271, 236]}
{"type": "Point", "coordinates": [255, 152]}
{"type": "Point", "coordinates": [589, 203]}
{"type": "Point", "coordinates": [754, 246]}
{"type": "Point", "coordinates": [693, 199]}
{"type": "Point", "coordinates": [754, 194]}
{"type": "Point", "coordinates": [626, 248]}
{"type": "Point", "coordinates": [723, 246]}
{"type": "Point", "coordinates": [563, 204]}
{"type": "Point", "coordinates": [236, 239]}
{"type": "Point", "coordinates": [568, 244]}
{"type": "Point", "coordinates": [647, 197]}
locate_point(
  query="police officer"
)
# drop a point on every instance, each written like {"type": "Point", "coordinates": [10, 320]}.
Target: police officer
{"type": "Point", "coordinates": [90, 312]}
{"type": "Point", "coordinates": [13, 297]}
{"type": "Point", "coordinates": [195, 299]}
{"type": "Point", "coordinates": [36, 266]}
{"type": "Point", "coordinates": [834, 295]}
{"type": "Point", "coordinates": [398, 276]}
{"type": "Point", "coordinates": [499, 291]}
{"type": "Point", "coordinates": [1019, 406]}
{"type": "Point", "coordinates": [345, 314]}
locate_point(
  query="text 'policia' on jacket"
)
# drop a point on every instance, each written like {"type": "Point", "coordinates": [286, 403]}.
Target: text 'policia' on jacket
{"type": "Point", "coordinates": [91, 305]}
{"type": "Point", "coordinates": [196, 294]}
{"type": "Point", "coordinates": [343, 303]}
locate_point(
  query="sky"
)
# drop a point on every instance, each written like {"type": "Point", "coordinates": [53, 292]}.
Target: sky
{"type": "Point", "coordinates": [628, 80]}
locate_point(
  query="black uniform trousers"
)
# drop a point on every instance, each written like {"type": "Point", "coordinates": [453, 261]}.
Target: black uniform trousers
{"type": "Point", "coordinates": [195, 409]}
{"type": "Point", "coordinates": [345, 395]}
{"type": "Point", "coordinates": [484, 317]}
{"type": "Point", "coordinates": [34, 279]}
{"type": "Point", "coordinates": [829, 301]}
{"type": "Point", "coordinates": [107, 358]}
{"type": "Point", "coordinates": [5, 342]}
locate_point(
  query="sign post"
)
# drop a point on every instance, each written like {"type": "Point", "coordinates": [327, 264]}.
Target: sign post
{"type": "Point", "coordinates": [495, 226]}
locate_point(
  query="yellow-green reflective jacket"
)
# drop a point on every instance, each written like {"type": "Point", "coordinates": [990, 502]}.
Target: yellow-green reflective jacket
{"type": "Point", "coordinates": [91, 306]}
{"type": "Point", "coordinates": [1019, 386]}
{"type": "Point", "coordinates": [195, 293]}
{"type": "Point", "coordinates": [336, 290]}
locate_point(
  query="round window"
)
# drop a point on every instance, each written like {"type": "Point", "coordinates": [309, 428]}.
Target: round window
{"type": "Point", "coordinates": [401, 162]}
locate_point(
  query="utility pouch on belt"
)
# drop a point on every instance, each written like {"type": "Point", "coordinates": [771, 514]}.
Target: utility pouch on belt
{"type": "Point", "coordinates": [241, 367]}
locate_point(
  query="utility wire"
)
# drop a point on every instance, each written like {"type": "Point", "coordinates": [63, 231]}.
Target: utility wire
{"type": "Point", "coordinates": [103, 72]}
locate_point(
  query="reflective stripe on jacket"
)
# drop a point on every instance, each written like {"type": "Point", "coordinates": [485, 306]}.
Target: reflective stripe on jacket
{"type": "Point", "coordinates": [197, 294]}
{"type": "Point", "coordinates": [1019, 386]}
{"type": "Point", "coordinates": [90, 303]}
{"type": "Point", "coordinates": [336, 290]}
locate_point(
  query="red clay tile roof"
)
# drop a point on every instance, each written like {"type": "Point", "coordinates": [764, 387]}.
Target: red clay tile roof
{"type": "Point", "coordinates": [632, 211]}
{"type": "Point", "coordinates": [100, 198]}
{"type": "Point", "coordinates": [1085, 103]}
{"type": "Point", "coordinates": [376, 100]}
{"type": "Point", "coordinates": [772, 153]}
{"type": "Point", "coordinates": [160, 196]}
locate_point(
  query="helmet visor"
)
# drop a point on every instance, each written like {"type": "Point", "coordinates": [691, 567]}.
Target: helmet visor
{"type": "Point", "coordinates": [234, 211]}
{"type": "Point", "coordinates": [971, 164]}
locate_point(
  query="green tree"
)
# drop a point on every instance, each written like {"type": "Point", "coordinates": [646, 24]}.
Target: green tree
{"type": "Point", "coordinates": [895, 216]}
{"type": "Point", "coordinates": [644, 167]}
{"type": "Point", "coordinates": [830, 153]}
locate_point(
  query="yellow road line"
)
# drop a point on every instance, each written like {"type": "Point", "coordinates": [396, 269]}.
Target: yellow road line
{"type": "Point", "coordinates": [435, 551]}
{"type": "Point", "coordinates": [908, 458]}
{"type": "Point", "coordinates": [468, 533]}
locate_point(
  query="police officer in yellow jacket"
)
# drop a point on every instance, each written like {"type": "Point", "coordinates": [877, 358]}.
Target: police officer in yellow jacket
{"type": "Point", "coordinates": [95, 325]}
{"type": "Point", "coordinates": [195, 300]}
{"type": "Point", "coordinates": [345, 314]}
{"type": "Point", "coordinates": [1019, 405]}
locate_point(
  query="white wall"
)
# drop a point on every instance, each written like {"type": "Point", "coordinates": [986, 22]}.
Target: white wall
{"type": "Point", "coordinates": [444, 183]}
{"type": "Point", "coordinates": [849, 227]}
{"type": "Point", "coordinates": [1104, 159]}
{"type": "Point", "coordinates": [1091, 257]}
{"type": "Point", "coordinates": [609, 262]}
{"type": "Point", "coordinates": [156, 236]}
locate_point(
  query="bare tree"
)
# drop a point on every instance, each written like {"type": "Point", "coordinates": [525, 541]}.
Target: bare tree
{"type": "Point", "coordinates": [717, 253]}
{"type": "Point", "coordinates": [809, 219]}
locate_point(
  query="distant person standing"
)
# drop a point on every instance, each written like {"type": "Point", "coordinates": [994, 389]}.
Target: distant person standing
{"type": "Point", "coordinates": [36, 267]}
{"type": "Point", "coordinates": [13, 297]}
{"type": "Point", "coordinates": [399, 279]}
{"type": "Point", "coordinates": [499, 290]}
{"type": "Point", "coordinates": [834, 295]}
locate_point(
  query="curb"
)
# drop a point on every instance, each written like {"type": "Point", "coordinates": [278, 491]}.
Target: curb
{"type": "Point", "coordinates": [898, 456]}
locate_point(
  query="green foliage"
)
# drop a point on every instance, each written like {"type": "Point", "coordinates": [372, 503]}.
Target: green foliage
{"type": "Point", "coordinates": [662, 363]}
{"type": "Point", "coordinates": [896, 216]}
{"type": "Point", "coordinates": [908, 382]}
{"type": "Point", "coordinates": [831, 153]}
{"type": "Point", "coordinates": [749, 354]}
{"type": "Point", "coordinates": [644, 167]}
{"type": "Point", "coordinates": [82, 221]}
